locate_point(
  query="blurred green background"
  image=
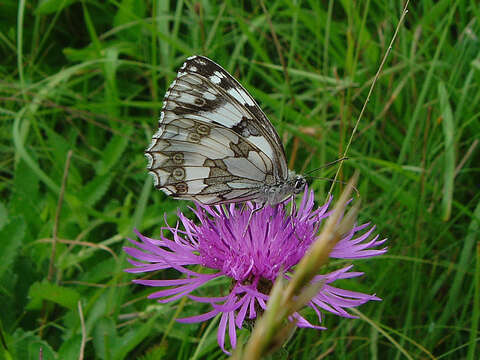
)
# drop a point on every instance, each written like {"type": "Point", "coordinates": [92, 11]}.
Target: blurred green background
{"type": "Point", "coordinates": [89, 77]}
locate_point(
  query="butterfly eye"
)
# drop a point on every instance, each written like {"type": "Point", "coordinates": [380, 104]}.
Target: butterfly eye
{"type": "Point", "coordinates": [299, 184]}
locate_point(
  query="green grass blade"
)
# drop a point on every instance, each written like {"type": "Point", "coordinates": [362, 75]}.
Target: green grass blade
{"type": "Point", "coordinates": [449, 167]}
{"type": "Point", "coordinates": [474, 339]}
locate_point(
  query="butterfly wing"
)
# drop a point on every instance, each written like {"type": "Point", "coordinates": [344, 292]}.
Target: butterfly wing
{"type": "Point", "coordinates": [214, 143]}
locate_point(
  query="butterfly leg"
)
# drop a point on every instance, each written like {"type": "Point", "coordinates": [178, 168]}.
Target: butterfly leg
{"type": "Point", "coordinates": [254, 211]}
{"type": "Point", "coordinates": [292, 213]}
{"type": "Point", "coordinates": [294, 205]}
{"type": "Point", "coordinates": [293, 209]}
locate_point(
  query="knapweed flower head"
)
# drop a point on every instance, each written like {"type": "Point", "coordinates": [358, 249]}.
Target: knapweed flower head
{"type": "Point", "coordinates": [275, 241]}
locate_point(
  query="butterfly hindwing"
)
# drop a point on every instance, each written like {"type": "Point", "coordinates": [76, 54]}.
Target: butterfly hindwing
{"type": "Point", "coordinates": [214, 144]}
{"type": "Point", "coordinates": [205, 160]}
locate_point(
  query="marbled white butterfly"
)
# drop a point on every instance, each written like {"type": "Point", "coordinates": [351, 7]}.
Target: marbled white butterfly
{"type": "Point", "coordinates": [215, 145]}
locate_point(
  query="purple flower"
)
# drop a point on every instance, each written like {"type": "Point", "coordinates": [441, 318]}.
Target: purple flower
{"type": "Point", "coordinates": [274, 242]}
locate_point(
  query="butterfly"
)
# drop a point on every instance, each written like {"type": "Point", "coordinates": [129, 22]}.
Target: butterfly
{"type": "Point", "coordinates": [215, 145]}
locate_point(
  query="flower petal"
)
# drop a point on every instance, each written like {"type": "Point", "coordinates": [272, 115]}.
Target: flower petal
{"type": "Point", "coordinates": [198, 318]}
{"type": "Point", "coordinates": [304, 323]}
{"type": "Point", "coordinates": [221, 331]}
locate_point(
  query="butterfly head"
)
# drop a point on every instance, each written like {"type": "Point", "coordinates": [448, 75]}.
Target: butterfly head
{"type": "Point", "coordinates": [299, 184]}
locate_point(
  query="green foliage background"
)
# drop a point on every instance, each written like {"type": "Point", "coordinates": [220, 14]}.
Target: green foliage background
{"type": "Point", "coordinates": [89, 77]}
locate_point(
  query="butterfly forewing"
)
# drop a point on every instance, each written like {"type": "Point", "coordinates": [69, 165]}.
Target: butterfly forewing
{"type": "Point", "coordinates": [214, 143]}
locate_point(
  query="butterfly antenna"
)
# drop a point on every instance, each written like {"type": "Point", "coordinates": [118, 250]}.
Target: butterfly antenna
{"type": "Point", "coordinates": [334, 181]}
{"type": "Point", "coordinates": [377, 75]}
{"type": "Point", "coordinates": [327, 165]}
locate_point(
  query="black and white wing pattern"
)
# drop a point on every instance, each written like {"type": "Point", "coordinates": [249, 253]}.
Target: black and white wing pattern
{"type": "Point", "coordinates": [214, 144]}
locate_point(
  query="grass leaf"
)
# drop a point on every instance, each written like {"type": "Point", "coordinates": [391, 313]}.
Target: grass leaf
{"type": "Point", "coordinates": [11, 236]}
{"type": "Point", "coordinates": [60, 295]}
{"type": "Point", "coordinates": [449, 165]}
